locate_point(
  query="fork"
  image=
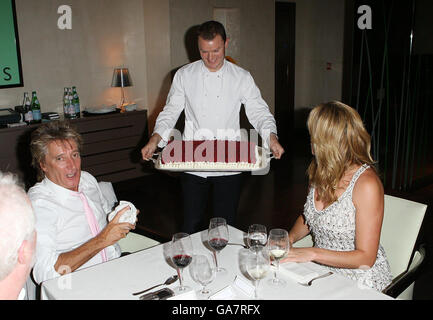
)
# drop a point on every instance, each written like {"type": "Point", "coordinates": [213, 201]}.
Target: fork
{"type": "Point", "coordinates": [237, 244]}
{"type": "Point", "coordinates": [311, 281]}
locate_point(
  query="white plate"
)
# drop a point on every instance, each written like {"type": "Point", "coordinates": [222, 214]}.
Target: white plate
{"type": "Point", "coordinates": [101, 110]}
{"type": "Point", "coordinates": [131, 107]}
{"type": "Point", "coordinates": [263, 162]}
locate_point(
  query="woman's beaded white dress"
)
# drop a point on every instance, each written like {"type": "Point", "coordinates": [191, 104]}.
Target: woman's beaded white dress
{"type": "Point", "coordinates": [334, 229]}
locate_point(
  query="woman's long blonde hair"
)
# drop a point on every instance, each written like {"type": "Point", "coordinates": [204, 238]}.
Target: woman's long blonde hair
{"type": "Point", "coordinates": [338, 141]}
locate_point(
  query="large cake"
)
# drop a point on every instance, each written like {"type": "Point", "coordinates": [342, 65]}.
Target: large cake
{"type": "Point", "coordinates": [210, 155]}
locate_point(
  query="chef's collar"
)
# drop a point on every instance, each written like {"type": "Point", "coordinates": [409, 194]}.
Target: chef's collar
{"type": "Point", "coordinates": [220, 71]}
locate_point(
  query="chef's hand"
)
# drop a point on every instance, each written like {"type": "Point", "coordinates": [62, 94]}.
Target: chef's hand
{"type": "Point", "coordinates": [275, 146]}
{"type": "Point", "coordinates": [149, 149]}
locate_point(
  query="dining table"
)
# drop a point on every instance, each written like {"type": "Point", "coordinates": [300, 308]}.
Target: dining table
{"type": "Point", "coordinates": [119, 278]}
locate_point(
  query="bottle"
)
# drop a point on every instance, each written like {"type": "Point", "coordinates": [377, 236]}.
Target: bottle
{"type": "Point", "coordinates": [71, 110]}
{"type": "Point", "coordinates": [68, 107]}
{"type": "Point", "coordinates": [28, 115]}
{"type": "Point", "coordinates": [36, 108]}
{"type": "Point", "coordinates": [76, 102]}
{"type": "Point", "coordinates": [66, 102]}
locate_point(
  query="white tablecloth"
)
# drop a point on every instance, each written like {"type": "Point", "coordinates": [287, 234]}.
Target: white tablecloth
{"type": "Point", "coordinates": [119, 278]}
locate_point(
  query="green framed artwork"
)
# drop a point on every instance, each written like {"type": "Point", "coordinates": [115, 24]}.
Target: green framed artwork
{"type": "Point", "coordinates": [10, 58]}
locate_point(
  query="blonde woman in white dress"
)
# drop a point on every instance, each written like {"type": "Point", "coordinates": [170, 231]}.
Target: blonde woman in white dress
{"type": "Point", "coordinates": [344, 207]}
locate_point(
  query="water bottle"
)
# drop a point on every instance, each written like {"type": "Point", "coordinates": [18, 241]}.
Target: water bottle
{"type": "Point", "coordinates": [68, 107]}
{"type": "Point", "coordinates": [72, 114]}
{"type": "Point", "coordinates": [28, 115]}
{"type": "Point", "coordinates": [36, 108]}
{"type": "Point", "coordinates": [76, 102]}
{"type": "Point", "coordinates": [66, 102]}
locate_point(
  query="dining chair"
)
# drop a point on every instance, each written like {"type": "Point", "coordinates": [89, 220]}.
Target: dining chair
{"type": "Point", "coordinates": [400, 228]}
{"type": "Point", "coordinates": [133, 242]}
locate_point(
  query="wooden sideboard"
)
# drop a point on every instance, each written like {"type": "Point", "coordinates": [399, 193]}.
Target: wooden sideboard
{"type": "Point", "coordinates": [111, 147]}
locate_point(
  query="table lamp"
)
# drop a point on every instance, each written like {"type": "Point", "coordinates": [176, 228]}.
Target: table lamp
{"type": "Point", "coordinates": [121, 78]}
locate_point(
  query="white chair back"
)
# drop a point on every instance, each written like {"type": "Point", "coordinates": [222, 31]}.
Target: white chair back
{"type": "Point", "coordinates": [108, 192]}
{"type": "Point", "coordinates": [135, 242]}
{"type": "Point", "coordinates": [305, 242]}
{"type": "Point", "coordinates": [401, 224]}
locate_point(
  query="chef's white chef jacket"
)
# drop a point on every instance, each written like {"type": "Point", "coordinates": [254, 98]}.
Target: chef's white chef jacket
{"type": "Point", "coordinates": [212, 102]}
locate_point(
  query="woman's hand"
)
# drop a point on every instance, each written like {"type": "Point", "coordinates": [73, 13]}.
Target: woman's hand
{"type": "Point", "coordinates": [300, 255]}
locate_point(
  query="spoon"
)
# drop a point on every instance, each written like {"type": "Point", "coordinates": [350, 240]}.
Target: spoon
{"type": "Point", "coordinates": [167, 282]}
{"type": "Point", "coordinates": [311, 281]}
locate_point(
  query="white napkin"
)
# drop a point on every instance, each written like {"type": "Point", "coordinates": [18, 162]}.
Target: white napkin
{"type": "Point", "coordinates": [300, 272]}
{"type": "Point", "coordinates": [244, 285]}
{"type": "Point", "coordinates": [189, 295]}
{"type": "Point", "coordinates": [226, 293]}
{"type": "Point", "coordinates": [128, 216]}
{"type": "Point", "coordinates": [229, 292]}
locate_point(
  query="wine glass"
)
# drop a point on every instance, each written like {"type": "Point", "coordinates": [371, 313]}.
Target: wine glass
{"type": "Point", "coordinates": [278, 245]}
{"type": "Point", "coordinates": [257, 237]}
{"type": "Point", "coordinates": [203, 271]}
{"type": "Point", "coordinates": [181, 255]}
{"type": "Point", "coordinates": [257, 265]}
{"type": "Point", "coordinates": [218, 237]}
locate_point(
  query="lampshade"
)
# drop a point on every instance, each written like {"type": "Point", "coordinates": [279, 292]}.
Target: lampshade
{"type": "Point", "coordinates": [121, 78]}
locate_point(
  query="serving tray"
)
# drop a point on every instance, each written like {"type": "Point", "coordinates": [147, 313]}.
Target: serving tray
{"type": "Point", "coordinates": [264, 159]}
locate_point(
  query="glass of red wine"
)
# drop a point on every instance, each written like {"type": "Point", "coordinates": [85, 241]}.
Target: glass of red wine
{"type": "Point", "coordinates": [218, 237]}
{"type": "Point", "coordinates": [181, 255]}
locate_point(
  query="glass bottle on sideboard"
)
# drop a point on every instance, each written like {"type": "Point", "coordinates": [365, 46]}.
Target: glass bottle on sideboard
{"type": "Point", "coordinates": [76, 101]}
{"type": "Point", "coordinates": [28, 115]}
{"type": "Point", "coordinates": [72, 114]}
{"type": "Point", "coordinates": [36, 108]}
{"type": "Point", "coordinates": [68, 107]}
{"type": "Point", "coordinates": [65, 102]}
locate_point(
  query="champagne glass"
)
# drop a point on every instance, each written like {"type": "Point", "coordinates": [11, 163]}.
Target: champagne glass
{"type": "Point", "coordinates": [257, 265]}
{"type": "Point", "coordinates": [257, 237]}
{"type": "Point", "coordinates": [278, 245]}
{"type": "Point", "coordinates": [203, 271]}
{"type": "Point", "coordinates": [181, 255]}
{"type": "Point", "coordinates": [218, 237]}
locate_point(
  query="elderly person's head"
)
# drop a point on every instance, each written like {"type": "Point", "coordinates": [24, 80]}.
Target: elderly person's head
{"type": "Point", "coordinates": [338, 141]}
{"type": "Point", "coordinates": [17, 236]}
{"type": "Point", "coordinates": [55, 148]}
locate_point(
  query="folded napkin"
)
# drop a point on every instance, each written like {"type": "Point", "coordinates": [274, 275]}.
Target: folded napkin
{"type": "Point", "coordinates": [189, 295]}
{"type": "Point", "coordinates": [128, 216]}
{"type": "Point", "coordinates": [226, 293]}
{"type": "Point", "coordinates": [300, 272]}
{"type": "Point", "coordinates": [231, 292]}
